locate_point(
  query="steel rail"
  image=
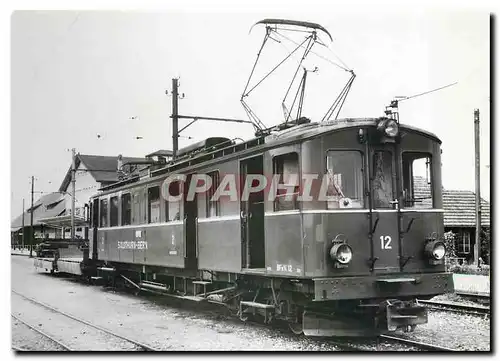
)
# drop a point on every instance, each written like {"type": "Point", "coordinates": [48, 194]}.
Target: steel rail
{"type": "Point", "coordinates": [34, 328]}
{"type": "Point", "coordinates": [473, 294]}
{"type": "Point", "coordinates": [423, 345]}
{"type": "Point", "coordinates": [100, 328]}
{"type": "Point", "coordinates": [18, 349]}
{"type": "Point", "coordinates": [458, 307]}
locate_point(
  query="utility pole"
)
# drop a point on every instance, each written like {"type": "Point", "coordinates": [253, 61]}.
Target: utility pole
{"type": "Point", "coordinates": [32, 234]}
{"type": "Point", "coordinates": [23, 224]}
{"type": "Point", "coordinates": [478, 188]}
{"type": "Point", "coordinates": [73, 170]}
{"type": "Point", "coordinates": [175, 118]}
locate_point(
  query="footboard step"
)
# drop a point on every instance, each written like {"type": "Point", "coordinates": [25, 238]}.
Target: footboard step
{"type": "Point", "coordinates": [256, 304]}
{"type": "Point", "coordinates": [193, 298]}
{"type": "Point", "coordinates": [106, 269]}
{"type": "Point", "coordinates": [202, 283]}
{"type": "Point", "coordinates": [96, 278]}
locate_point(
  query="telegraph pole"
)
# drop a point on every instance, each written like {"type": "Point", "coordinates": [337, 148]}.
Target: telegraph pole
{"type": "Point", "coordinates": [73, 170]}
{"type": "Point", "coordinates": [23, 224]}
{"type": "Point", "coordinates": [175, 117]}
{"type": "Point", "coordinates": [478, 188]}
{"type": "Point", "coordinates": [32, 234]}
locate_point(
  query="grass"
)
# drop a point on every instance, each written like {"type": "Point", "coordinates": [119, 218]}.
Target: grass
{"type": "Point", "coordinates": [470, 269]}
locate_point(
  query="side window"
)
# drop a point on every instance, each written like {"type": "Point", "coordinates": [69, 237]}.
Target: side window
{"type": "Point", "coordinates": [417, 180]}
{"type": "Point", "coordinates": [287, 167]}
{"type": "Point", "coordinates": [212, 207]}
{"type": "Point", "coordinates": [103, 213]}
{"type": "Point", "coordinates": [154, 204]}
{"type": "Point", "coordinates": [383, 193]}
{"type": "Point", "coordinates": [344, 174]}
{"type": "Point", "coordinates": [173, 209]}
{"type": "Point", "coordinates": [113, 211]}
{"type": "Point", "coordinates": [126, 209]}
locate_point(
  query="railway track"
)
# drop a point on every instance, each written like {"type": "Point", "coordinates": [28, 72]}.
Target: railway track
{"type": "Point", "coordinates": [483, 298]}
{"type": "Point", "coordinates": [139, 344]}
{"type": "Point", "coordinates": [18, 349]}
{"type": "Point", "coordinates": [456, 307]}
{"type": "Point", "coordinates": [421, 345]}
{"type": "Point", "coordinates": [38, 330]}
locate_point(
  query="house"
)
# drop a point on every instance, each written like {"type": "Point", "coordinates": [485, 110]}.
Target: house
{"type": "Point", "coordinates": [52, 212]}
{"type": "Point", "coordinates": [49, 205]}
{"type": "Point", "coordinates": [459, 216]}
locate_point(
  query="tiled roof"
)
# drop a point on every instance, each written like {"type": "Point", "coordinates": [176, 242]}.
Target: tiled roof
{"type": "Point", "coordinates": [102, 168]}
{"type": "Point", "coordinates": [459, 206]}
{"type": "Point", "coordinates": [49, 205]}
{"type": "Point", "coordinates": [161, 152]}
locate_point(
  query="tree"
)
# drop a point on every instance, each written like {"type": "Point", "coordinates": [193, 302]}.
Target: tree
{"type": "Point", "coordinates": [484, 252]}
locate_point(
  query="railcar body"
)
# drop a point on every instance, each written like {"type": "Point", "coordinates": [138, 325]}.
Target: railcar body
{"type": "Point", "coordinates": [321, 225]}
{"type": "Point", "coordinates": [369, 249]}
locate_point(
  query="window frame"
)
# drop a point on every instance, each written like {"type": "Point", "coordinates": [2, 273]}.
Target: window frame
{"type": "Point", "coordinates": [362, 178]}
{"type": "Point", "coordinates": [166, 205]}
{"type": "Point", "coordinates": [122, 215]}
{"type": "Point", "coordinates": [148, 204]}
{"type": "Point", "coordinates": [209, 194]}
{"type": "Point", "coordinates": [408, 199]}
{"type": "Point", "coordinates": [464, 242]}
{"type": "Point", "coordinates": [295, 195]}
{"type": "Point", "coordinates": [101, 201]}
{"type": "Point", "coordinates": [394, 187]}
{"type": "Point", "coordinates": [117, 210]}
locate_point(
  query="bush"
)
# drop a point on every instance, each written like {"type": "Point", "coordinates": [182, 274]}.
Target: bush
{"type": "Point", "coordinates": [470, 269]}
{"type": "Point", "coordinates": [449, 243]}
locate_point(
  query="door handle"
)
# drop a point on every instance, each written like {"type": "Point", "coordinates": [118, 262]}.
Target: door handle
{"type": "Point", "coordinates": [395, 203]}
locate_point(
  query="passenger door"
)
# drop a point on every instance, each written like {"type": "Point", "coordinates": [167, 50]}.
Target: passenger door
{"type": "Point", "coordinates": [191, 229]}
{"type": "Point", "coordinates": [252, 217]}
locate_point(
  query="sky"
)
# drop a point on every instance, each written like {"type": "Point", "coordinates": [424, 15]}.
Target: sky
{"type": "Point", "coordinates": [76, 74]}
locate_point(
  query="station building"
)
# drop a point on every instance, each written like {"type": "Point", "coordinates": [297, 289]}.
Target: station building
{"type": "Point", "coordinates": [52, 211]}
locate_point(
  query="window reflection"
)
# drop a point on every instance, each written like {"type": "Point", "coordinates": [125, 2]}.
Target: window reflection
{"type": "Point", "coordinates": [383, 193]}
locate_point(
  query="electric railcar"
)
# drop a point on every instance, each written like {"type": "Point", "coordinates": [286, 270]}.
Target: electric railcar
{"type": "Point", "coordinates": [347, 249]}
{"type": "Point", "coordinates": [351, 264]}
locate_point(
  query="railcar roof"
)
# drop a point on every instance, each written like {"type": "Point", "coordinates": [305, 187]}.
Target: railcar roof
{"type": "Point", "coordinates": [308, 130]}
{"type": "Point", "coordinates": [293, 134]}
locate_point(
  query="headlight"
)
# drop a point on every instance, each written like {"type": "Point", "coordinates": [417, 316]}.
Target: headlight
{"type": "Point", "coordinates": [391, 128]}
{"type": "Point", "coordinates": [435, 250]}
{"type": "Point", "coordinates": [341, 253]}
{"type": "Point", "coordinates": [438, 251]}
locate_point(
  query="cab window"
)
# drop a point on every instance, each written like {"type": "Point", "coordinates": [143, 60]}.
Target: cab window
{"type": "Point", "coordinates": [344, 177]}
{"type": "Point", "coordinates": [417, 180]}
{"type": "Point", "coordinates": [382, 183]}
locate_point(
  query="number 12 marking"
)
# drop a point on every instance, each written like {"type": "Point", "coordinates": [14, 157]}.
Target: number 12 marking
{"type": "Point", "coordinates": [385, 242]}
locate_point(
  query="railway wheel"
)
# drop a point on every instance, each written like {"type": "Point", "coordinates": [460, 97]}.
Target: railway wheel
{"type": "Point", "coordinates": [296, 326]}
